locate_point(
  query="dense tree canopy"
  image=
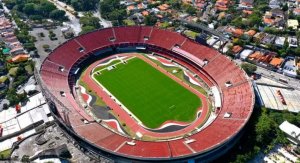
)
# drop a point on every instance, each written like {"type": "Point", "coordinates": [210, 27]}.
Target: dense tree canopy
{"type": "Point", "coordinates": [248, 68]}
{"type": "Point", "coordinates": [89, 23]}
{"type": "Point", "coordinates": [36, 9]}
{"type": "Point", "coordinates": [113, 10]}
{"type": "Point", "coordinates": [83, 5]}
{"type": "Point", "coordinates": [150, 20]}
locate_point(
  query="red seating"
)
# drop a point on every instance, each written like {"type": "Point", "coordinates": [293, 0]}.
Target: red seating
{"type": "Point", "coordinates": [237, 101]}
{"type": "Point", "coordinates": [145, 33]}
{"type": "Point", "coordinates": [147, 149]}
{"type": "Point", "coordinates": [202, 53]}
{"type": "Point", "coordinates": [221, 130]}
{"type": "Point", "coordinates": [54, 67]}
{"type": "Point", "coordinates": [55, 81]}
{"type": "Point", "coordinates": [178, 148]}
{"type": "Point", "coordinates": [89, 132]}
{"type": "Point", "coordinates": [96, 40]}
{"type": "Point", "coordinates": [112, 142]}
{"type": "Point", "coordinates": [127, 34]}
{"type": "Point", "coordinates": [165, 39]}
{"type": "Point", "coordinates": [67, 55]}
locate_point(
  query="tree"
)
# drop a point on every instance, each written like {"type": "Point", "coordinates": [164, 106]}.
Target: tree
{"type": "Point", "coordinates": [150, 20]}
{"type": "Point", "coordinates": [248, 68]}
{"type": "Point", "coordinates": [57, 14]}
{"type": "Point", "coordinates": [263, 128]}
{"type": "Point", "coordinates": [113, 10]}
{"type": "Point", "coordinates": [83, 5]}
{"type": "Point", "coordinates": [87, 29]}
{"type": "Point", "coordinates": [191, 10]}
{"type": "Point", "coordinates": [29, 8]}
{"type": "Point", "coordinates": [285, 7]}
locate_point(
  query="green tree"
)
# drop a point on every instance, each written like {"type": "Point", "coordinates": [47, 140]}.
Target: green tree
{"type": "Point", "coordinates": [57, 14]}
{"type": "Point", "coordinates": [29, 8]}
{"type": "Point", "coordinates": [87, 29]}
{"type": "Point", "coordinates": [191, 10]}
{"type": "Point", "coordinates": [248, 68]}
{"type": "Point", "coordinates": [285, 7]}
{"type": "Point", "coordinates": [150, 20]}
{"type": "Point", "coordinates": [90, 21]}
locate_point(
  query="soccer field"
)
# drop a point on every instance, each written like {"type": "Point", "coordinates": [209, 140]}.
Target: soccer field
{"type": "Point", "coordinates": [149, 94]}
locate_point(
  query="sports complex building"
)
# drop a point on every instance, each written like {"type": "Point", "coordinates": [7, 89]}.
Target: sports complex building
{"type": "Point", "coordinates": [144, 94]}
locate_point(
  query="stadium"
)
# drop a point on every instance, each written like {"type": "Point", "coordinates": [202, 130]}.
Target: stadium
{"type": "Point", "coordinates": [145, 94]}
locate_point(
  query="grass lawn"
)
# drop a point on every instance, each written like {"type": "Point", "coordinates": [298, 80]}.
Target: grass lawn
{"type": "Point", "coordinates": [149, 94]}
{"type": "Point", "coordinates": [5, 154]}
{"type": "Point", "coordinates": [191, 34]}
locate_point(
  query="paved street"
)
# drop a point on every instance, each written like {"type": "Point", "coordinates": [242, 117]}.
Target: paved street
{"type": "Point", "coordinates": [292, 82]}
{"type": "Point", "coordinates": [74, 22]}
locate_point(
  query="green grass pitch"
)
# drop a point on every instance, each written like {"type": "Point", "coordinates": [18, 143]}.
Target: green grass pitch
{"type": "Point", "coordinates": [149, 94]}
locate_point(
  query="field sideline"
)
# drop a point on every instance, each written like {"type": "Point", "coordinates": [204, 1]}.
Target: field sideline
{"type": "Point", "coordinates": [149, 94]}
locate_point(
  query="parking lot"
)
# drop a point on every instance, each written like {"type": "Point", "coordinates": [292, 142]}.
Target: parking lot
{"type": "Point", "coordinates": [41, 41]}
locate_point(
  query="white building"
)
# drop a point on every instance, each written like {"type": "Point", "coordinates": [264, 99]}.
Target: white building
{"type": "Point", "coordinates": [292, 131]}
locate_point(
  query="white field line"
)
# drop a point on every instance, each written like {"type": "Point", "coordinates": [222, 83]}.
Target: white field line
{"type": "Point", "coordinates": [113, 65]}
{"type": "Point", "coordinates": [113, 59]}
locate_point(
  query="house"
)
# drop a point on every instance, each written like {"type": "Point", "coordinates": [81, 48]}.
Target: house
{"type": "Point", "coordinates": [268, 39]}
{"type": "Point", "coordinates": [275, 17]}
{"type": "Point", "coordinates": [20, 58]}
{"type": "Point", "coordinates": [258, 37]}
{"type": "Point", "coordinates": [276, 62]}
{"type": "Point", "coordinates": [5, 25]}
{"type": "Point", "coordinates": [163, 7]}
{"type": "Point", "coordinates": [145, 13]}
{"type": "Point", "coordinates": [222, 5]}
{"type": "Point", "coordinates": [296, 11]}
{"type": "Point", "coordinates": [255, 56]}
{"type": "Point", "coordinates": [289, 68]}
{"type": "Point", "coordinates": [279, 41]}
{"type": "Point", "coordinates": [235, 32]}
{"type": "Point", "coordinates": [250, 33]}
{"type": "Point", "coordinates": [248, 12]}
{"type": "Point", "coordinates": [130, 8]}
{"type": "Point", "coordinates": [292, 132]}
{"type": "Point", "coordinates": [293, 23]}
{"type": "Point", "coordinates": [17, 50]}
{"type": "Point", "coordinates": [274, 3]}
{"type": "Point", "coordinates": [236, 49]}
{"type": "Point", "coordinates": [245, 53]}
{"type": "Point", "coordinates": [246, 4]}
{"type": "Point", "coordinates": [292, 42]}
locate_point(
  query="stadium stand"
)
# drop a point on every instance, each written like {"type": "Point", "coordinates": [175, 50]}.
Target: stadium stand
{"type": "Point", "coordinates": [161, 38]}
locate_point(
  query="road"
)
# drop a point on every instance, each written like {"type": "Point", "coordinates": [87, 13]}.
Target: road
{"type": "Point", "coordinates": [73, 21]}
{"type": "Point", "coordinates": [292, 82]}
{"type": "Point", "coordinates": [103, 22]}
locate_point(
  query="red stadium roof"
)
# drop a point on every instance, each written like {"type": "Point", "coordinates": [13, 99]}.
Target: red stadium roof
{"type": "Point", "coordinates": [238, 99]}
